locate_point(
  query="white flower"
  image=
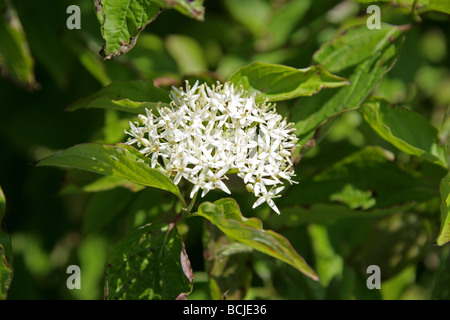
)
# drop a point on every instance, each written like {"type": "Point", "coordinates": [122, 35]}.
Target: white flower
{"type": "Point", "coordinates": [208, 132]}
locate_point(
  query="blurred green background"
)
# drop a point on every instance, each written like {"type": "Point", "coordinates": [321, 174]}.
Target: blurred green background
{"type": "Point", "coordinates": [47, 226]}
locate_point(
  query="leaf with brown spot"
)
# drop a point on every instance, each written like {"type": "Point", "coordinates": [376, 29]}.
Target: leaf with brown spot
{"type": "Point", "coordinates": [123, 20]}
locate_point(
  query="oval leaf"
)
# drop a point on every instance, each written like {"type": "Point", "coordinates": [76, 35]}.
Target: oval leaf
{"type": "Point", "coordinates": [149, 264]}
{"type": "Point", "coordinates": [313, 112]}
{"type": "Point", "coordinates": [407, 130]}
{"type": "Point", "coordinates": [277, 82]}
{"type": "Point", "coordinates": [15, 55]}
{"type": "Point", "coordinates": [355, 45]}
{"type": "Point", "coordinates": [122, 161]}
{"type": "Point", "coordinates": [122, 21]}
{"type": "Point", "coordinates": [226, 215]}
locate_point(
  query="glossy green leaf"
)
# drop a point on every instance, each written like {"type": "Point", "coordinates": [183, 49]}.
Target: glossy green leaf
{"type": "Point", "coordinates": [122, 161]}
{"type": "Point", "coordinates": [313, 112]}
{"type": "Point", "coordinates": [6, 255]}
{"type": "Point", "coordinates": [409, 131]}
{"type": "Point", "coordinates": [15, 55]}
{"type": "Point", "coordinates": [149, 264]}
{"type": "Point", "coordinates": [123, 20]}
{"type": "Point", "coordinates": [277, 82]}
{"type": "Point", "coordinates": [225, 214]}
{"type": "Point", "coordinates": [444, 234]}
{"type": "Point", "coordinates": [129, 96]}
{"type": "Point", "coordinates": [355, 45]}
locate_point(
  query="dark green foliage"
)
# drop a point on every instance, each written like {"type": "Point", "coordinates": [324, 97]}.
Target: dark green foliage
{"type": "Point", "coordinates": [370, 108]}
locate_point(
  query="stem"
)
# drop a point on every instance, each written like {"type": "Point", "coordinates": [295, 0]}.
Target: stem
{"type": "Point", "coordinates": [191, 204]}
{"type": "Point", "coordinates": [415, 16]}
{"type": "Point", "coordinates": [185, 210]}
{"type": "Point", "coordinates": [183, 202]}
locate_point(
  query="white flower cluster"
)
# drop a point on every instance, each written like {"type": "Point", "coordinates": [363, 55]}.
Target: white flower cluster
{"type": "Point", "coordinates": [209, 132]}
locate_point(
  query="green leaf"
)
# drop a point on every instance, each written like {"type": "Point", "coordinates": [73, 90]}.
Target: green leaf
{"type": "Point", "coordinates": [439, 5]}
{"type": "Point", "coordinates": [15, 55]}
{"type": "Point", "coordinates": [191, 8]}
{"type": "Point", "coordinates": [407, 130]}
{"type": "Point", "coordinates": [150, 263]}
{"type": "Point", "coordinates": [355, 45]}
{"type": "Point", "coordinates": [227, 263]}
{"type": "Point", "coordinates": [46, 35]}
{"type": "Point", "coordinates": [5, 274]}
{"type": "Point", "coordinates": [444, 234]}
{"type": "Point", "coordinates": [354, 197]}
{"type": "Point", "coordinates": [277, 82]}
{"type": "Point", "coordinates": [225, 214]}
{"type": "Point", "coordinates": [313, 112]}
{"type": "Point", "coordinates": [6, 255]}
{"type": "Point", "coordinates": [329, 263]}
{"type": "Point", "coordinates": [121, 160]}
{"type": "Point", "coordinates": [129, 96]}
{"type": "Point", "coordinates": [122, 21]}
